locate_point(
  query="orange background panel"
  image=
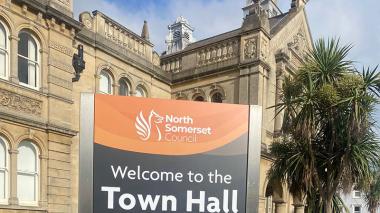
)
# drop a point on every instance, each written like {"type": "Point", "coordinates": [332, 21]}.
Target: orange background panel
{"type": "Point", "coordinates": [115, 119]}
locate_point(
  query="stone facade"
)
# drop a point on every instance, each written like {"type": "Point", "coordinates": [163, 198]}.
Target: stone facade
{"type": "Point", "coordinates": [244, 66]}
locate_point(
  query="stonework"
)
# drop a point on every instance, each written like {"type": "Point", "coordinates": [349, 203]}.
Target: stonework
{"type": "Point", "coordinates": [20, 103]}
{"type": "Point", "coordinates": [250, 48]}
{"type": "Point", "coordinates": [244, 66]}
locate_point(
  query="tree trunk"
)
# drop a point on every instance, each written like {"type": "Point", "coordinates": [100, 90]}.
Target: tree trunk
{"type": "Point", "coordinates": [328, 205]}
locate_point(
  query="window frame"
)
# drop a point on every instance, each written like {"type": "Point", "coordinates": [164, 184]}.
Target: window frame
{"type": "Point", "coordinates": [354, 194]}
{"type": "Point", "coordinates": [105, 72]}
{"type": "Point", "coordinates": [199, 96]}
{"type": "Point", "coordinates": [6, 51]}
{"type": "Point", "coordinates": [355, 206]}
{"type": "Point", "coordinates": [36, 174]}
{"type": "Point", "coordinates": [5, 201]}
{"type": "Point", "coordinates": [143, 89]}
{"type": "Point", "coordinates": [214, 94]}
{"type": "Point", "coordinates": [128, 85]}
{"type": "Point", "coordinates": [36, 63]}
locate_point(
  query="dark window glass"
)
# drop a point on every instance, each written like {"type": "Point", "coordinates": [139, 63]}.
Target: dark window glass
{"type": "Point", "coordinates": [23, 70]}
{"type": "Point", "coordinates": [199, 98]}
{"type": "Point", "coordinates": [217, 98]}
{"type": "Point", "coordinates": [23, 45]}
{"type": "Point", "coordinates": [27, 59]}
{"type": "Point", "coordinates": [124, 88]}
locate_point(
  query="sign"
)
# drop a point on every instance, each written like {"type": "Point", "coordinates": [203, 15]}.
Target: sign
{"type": "Point", "coordinates": [153, 155]}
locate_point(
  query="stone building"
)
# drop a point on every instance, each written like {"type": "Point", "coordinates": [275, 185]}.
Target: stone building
{"type": "Point", "coordinates": [40, 101]}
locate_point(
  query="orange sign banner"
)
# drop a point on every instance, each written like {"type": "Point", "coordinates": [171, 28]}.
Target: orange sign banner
{"type": "Point", "coordinates": [165, 127]}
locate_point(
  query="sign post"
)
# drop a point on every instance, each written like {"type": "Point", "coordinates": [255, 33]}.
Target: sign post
{"type": "Point", "coordinates": [153, 155]}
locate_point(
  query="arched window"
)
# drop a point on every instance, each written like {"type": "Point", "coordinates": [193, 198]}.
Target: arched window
{"type": "Point", "coordinates": [141, 91]}
{"type": "Point", "coordinates": [217, 98]}
{"type": "Point", "coordinates": [125, 87]}
{"type": "Point", "coordinates": [28, 60]}
{"type": "Point", "coordinates": [199, 98]}
{"type": "Point", "coordinates": [4, 171]}
{"type": "Point", "coordinates": [27, 173]}
{"type": "Point", "coordinates": [105, 83]}
{"type": "Point", "coordinates": [4, 51]}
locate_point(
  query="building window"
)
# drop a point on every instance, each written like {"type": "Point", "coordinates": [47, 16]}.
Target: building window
{"type": "Point", "coordinates": [4, 171]}
{"type": "Point", "coordinates": [187, 36]}
{"type": "Point", "coordinates": [105, 83]}
{"type": "Point", "coordinates": [4, 51]}
{"type": "Point", "coordinates": [177, 35]}
{"type": "Point", "coordinates": [357, 209]}
{"type": "Point", "coordinates": [125, 87]}
{"type": "Point", "coordinates": [356, 194]}
{"type": "Point", "coordinates": [27, 174]}
{"type": "Point", "coordinates": [141, 91]}
{"type": "Point", "coordinates": [28, 60]}
{"type": "Point", "coordinates": [199, 98]}
{"type": "Point", "coordinates": [217, 98]}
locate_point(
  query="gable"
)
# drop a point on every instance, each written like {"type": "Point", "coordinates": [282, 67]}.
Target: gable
{"type": "Point", "coordinates": [294, 37]}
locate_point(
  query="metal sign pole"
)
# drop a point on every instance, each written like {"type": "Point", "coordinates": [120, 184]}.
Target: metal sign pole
{"type": "Point", "coordinates": [254, 155]}
{"type": "Point", "coordinates": [86, 148]}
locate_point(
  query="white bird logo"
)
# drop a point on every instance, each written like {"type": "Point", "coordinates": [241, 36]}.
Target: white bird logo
{"type": "Point", "coordinates": [144, 126]}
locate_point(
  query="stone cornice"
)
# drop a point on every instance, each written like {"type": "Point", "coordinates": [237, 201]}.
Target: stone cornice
{"type": "Point", "coordinates": [37, 124]}
{"type": "Point", "coordinates": [199, 72]}
{"type": "Point", "coordinates": [50, 12]}
{"type": "Point", "coordinates": [98, 41]}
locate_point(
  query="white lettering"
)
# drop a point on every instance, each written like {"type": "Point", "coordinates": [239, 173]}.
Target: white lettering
{"type": "Point", "coordinates": [225, 201]}
{"type": "Point", "coordinates": [119, 171]}
{"type": "Point", "coordinates": [110, 195]}
{"type": "Point", "coordinates": [148, 201]}
{"type": "Point", "coordinates": [234, 201]}
{"type": "Point", "coordinates": [173, 201]}
{"type": "Point", "coordinates": [191, 201]}
{"type": "Point", "coordinates": [213, 205]}
{"type": "Point", "coordinates": [132, 201]}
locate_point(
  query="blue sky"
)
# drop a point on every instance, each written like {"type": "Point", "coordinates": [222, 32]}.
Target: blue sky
{"type": "Point", "coordinates": [354, 21]}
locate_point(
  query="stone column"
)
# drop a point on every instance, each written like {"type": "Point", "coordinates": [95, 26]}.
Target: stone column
{"type": "Point", "coordinates": [44, 70]}
{"type": "Point", "coordinates": [13, 200]}
{"type": "Point", "coordinates": [262, 204]}
{"type": "Point", "coordinates": [97, 81]}
{"type": "Point", "coordinates": [115, 88]}
{"type": "Point", "coordinates": [279, 116]}
{"type": "Point", "coordinates": [280, 207]}
{"type": "Point", "coordinates": [13, 77]}
{"type": "Point", "coordinates": [299, 208]}
{"type": "Point", "coordinates": [43, 181]}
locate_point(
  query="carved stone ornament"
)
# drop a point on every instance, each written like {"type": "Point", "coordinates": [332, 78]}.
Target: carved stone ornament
{"type": "Point", "coordinates": [60, 48]}
{"type": "Point", "coordinates": [299, 43]}
{"type": "Point", "coordinates": [20, 103]}
{"type": "Point", "coordinates": [87, 20]}
{"type": "Point", "coordinates": [264, 53]}
{"type": "Point", "coordinates": [250, 48]}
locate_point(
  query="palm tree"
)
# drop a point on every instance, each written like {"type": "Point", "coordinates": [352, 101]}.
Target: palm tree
{"type": "Point", "coordinates": [372, 193]}
{"type": "Point", "coordinates": [327, 142]}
